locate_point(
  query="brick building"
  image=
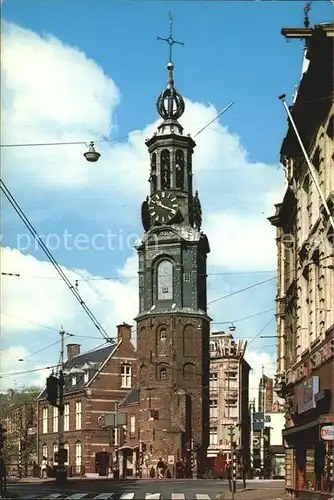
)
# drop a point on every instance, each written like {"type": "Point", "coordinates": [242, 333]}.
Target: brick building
{"type": "Point", "coordinates": [95, 382]}
{"type": "Point", "coordinates": [305, 268]}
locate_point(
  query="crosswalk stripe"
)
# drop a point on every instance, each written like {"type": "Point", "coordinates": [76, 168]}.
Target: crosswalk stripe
{"type": "Point", "coordinates": [127, 496]}
{"type": "Point", "coordinates": [77, 496]}
{"type": "Point", "coordinates": [178, 496]}
{"type": "Point", "coordinates": [55, 495]}
{"type": "Point", "coordinates": [202, 496]}
{"type": "Point", "coordinates": [104, 496]}
{"type": "Point", "coordinates": [152, 496]}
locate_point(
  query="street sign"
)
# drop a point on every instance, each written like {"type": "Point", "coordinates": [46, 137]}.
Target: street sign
{"type": "Point", "coordinates": [327, 432]}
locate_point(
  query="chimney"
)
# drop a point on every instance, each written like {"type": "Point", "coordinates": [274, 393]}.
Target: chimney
{"type": "Point", "coordinates": [72, 350]}
{"type": "Point", "coordinates": [124, 332]}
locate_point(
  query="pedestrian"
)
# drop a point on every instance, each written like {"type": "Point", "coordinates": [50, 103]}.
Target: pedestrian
{"type": "Point", "coordinates": [44, 466]}
{"type": "Point", "coordinates": [160, 468]}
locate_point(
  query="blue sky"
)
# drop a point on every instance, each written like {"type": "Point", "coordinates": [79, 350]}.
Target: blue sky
{"type": "Point", "coordinates": [77, 71]}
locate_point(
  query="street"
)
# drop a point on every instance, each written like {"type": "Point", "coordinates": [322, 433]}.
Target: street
{"type": "Point", "coordinates": [146, 490]}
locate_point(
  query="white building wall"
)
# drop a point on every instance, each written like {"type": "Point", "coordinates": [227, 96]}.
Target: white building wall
{"type": "Point", "coordinates": [276, 425]}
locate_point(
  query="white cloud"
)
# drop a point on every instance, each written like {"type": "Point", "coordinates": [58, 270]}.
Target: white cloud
{"type": "Point", "coordinates": [61, 95]}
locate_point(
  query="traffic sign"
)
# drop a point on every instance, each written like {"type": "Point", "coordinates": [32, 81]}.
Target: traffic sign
{"type": "Point", "coordinates": [327, 432]}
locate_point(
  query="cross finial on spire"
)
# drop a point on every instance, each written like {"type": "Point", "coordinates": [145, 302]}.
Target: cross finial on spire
{"type": "Point", "coordinates": [170, 40]}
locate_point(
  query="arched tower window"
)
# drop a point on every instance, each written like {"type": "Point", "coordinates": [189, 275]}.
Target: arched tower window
{"type": "Point", "coordinates": [165, 280]}
{"type": "Point", "coordinates": [165, 169]}
{"type": "Point", "coordinates": [179, 169]}
{"type": "Point", "coordinates": [153, 177]}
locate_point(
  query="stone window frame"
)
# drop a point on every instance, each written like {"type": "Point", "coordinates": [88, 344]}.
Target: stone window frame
{"type": "Point", "coordinates": [163, 370]}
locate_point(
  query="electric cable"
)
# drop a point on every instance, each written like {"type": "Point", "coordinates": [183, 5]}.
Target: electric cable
{"type": "Point", "coordinates": [120, 278]}
{"type": "Point", "coordinates": [262, 330]}
{"type": "Point", "coordinates": [49, 327]}
{"type": "Point", "coordinates": [7, 375]}
{"type": "Point", "coordinates": [34, 233]}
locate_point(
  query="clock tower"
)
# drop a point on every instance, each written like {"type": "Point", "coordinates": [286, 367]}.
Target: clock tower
{"type": "Point", "coordinates": [172, 324]}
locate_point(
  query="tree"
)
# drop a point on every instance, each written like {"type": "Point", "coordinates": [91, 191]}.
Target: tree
{"type": "Point", "coordinates": [18, 414]}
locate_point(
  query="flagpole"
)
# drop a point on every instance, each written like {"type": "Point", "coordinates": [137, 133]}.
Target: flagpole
{"type": "Point", "coordinates": [308, 162]}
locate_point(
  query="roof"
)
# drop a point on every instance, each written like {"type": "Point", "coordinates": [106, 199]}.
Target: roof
{"type": "Point", "coordinates": [314, 97]}
{"type": "Point", "coordinates": [131, 398]}
{"type": "Point", "coordinates": [89, 362]}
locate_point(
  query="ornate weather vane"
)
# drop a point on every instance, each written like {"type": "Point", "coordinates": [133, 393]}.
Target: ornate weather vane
{"type": "Point", "coordinates": [170, 40]}
{"type": "Point", "coordinates": [307, 9]}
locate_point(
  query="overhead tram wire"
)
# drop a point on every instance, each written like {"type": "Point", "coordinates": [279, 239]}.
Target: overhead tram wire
{"type": "Point", "coordinates": [47, 252]}
{"type": "Point", "coordinates": [120, 278]}
{"type": "Point", "coordinates": [49, 327]}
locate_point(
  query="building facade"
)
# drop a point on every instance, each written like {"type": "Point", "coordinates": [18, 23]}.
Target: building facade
{"type": "Point", "coordinates": [305, 313]}
{"type": "Point", "coordinates": [229, 395]}
{"type": "Point", "coordinates": [172, 324]}
{"type": "Point", "coordinates": [95, 382]}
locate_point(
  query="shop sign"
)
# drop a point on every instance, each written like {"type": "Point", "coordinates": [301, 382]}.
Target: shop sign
{"type": "Point", "coordinates": [327, 432]}
{"type": "Point", "coordinates": [306, 392]}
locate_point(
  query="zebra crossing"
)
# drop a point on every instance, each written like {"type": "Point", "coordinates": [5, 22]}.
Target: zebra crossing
{"type": "Point", "coordinates": [118, 496]}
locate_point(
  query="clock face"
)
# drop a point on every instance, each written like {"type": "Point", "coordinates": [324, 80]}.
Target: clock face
{"type": "Point", "coordinates": [163, 207]}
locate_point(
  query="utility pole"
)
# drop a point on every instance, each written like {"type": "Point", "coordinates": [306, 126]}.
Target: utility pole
{"type": "Point", "coordinates": [61, 475]}
{"type": "Point", "coordinates": [262, 426]}
{"type": "Point", "coordinates": [252, 408]}
{"type": "Point", "coordinates": [117, 441]}
{"type": "Point", "coordinates": [234, 462]}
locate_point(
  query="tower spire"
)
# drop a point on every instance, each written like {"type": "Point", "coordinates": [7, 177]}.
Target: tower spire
{"type": "Point", "coordinates": [170, 103]}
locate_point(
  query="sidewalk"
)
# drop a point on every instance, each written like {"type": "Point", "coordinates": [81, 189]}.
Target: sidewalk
{"type": "Point", "coordinates": [255, 494]}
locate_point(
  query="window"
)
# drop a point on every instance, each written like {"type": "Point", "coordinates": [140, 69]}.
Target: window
{"type": "Point", "coordinates": [213, 381]}
{"type": "Point", "coordinates": [55, 449]}
{"type": "Point", "coordinates": [78, 415]}
{"type": "Point", "coordinates": [179, 167]}
{"type": "Point", "coordinates": [165, 280]}
{"type": "Point", "coordinates": [163, 334]}
{"type": "Point", "coordinates": [74, 379]}
{"type": "Point", "coordinates": [78, 457]}
{"type": "Point", "coordinates": [126, 376]}
{"type": "Point", "coordinates": [67, 448]}
{"type": "Point", "coordinates": [213, 435]}
{"type": "Point", "coordinates": [165, 169]}
{"type": "Point", "coordinates": [86, 377]}
{"type": "Point", "coordinates": [45, 450]}
{"type": "Point", "coordinates": [213, 408]}
{"type": "Point", "coordinates": [163, 373]}
{"type": "Point", "coordinates": [231, 411]}
{"type": "Point", "coordinates": [55, 419]}
{"type": "Point", "coordinates": [132, 426]}
{"type": "Point", "coordinates": [66, 417]}
{"type": "Point", "coordinates": [186, 277]}
{"type": "Point", "coordinates": [45, 420]}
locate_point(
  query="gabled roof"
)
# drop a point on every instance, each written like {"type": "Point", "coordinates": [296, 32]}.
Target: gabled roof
{"type": "Point", "coordinates": [88, 362]}
{"type": "Point", "coordinates": [131, 398]}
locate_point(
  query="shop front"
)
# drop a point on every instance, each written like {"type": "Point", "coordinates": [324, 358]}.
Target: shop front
{"type": "Point", "coordinates": [309, 441]}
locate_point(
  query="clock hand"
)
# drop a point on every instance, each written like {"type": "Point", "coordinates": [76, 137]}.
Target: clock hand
{"type": "Point", "coordinates": [167, 208]}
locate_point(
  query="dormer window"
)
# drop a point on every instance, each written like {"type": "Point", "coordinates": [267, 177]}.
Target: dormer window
{"type": "Point", "coordinates": [74, 380]}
